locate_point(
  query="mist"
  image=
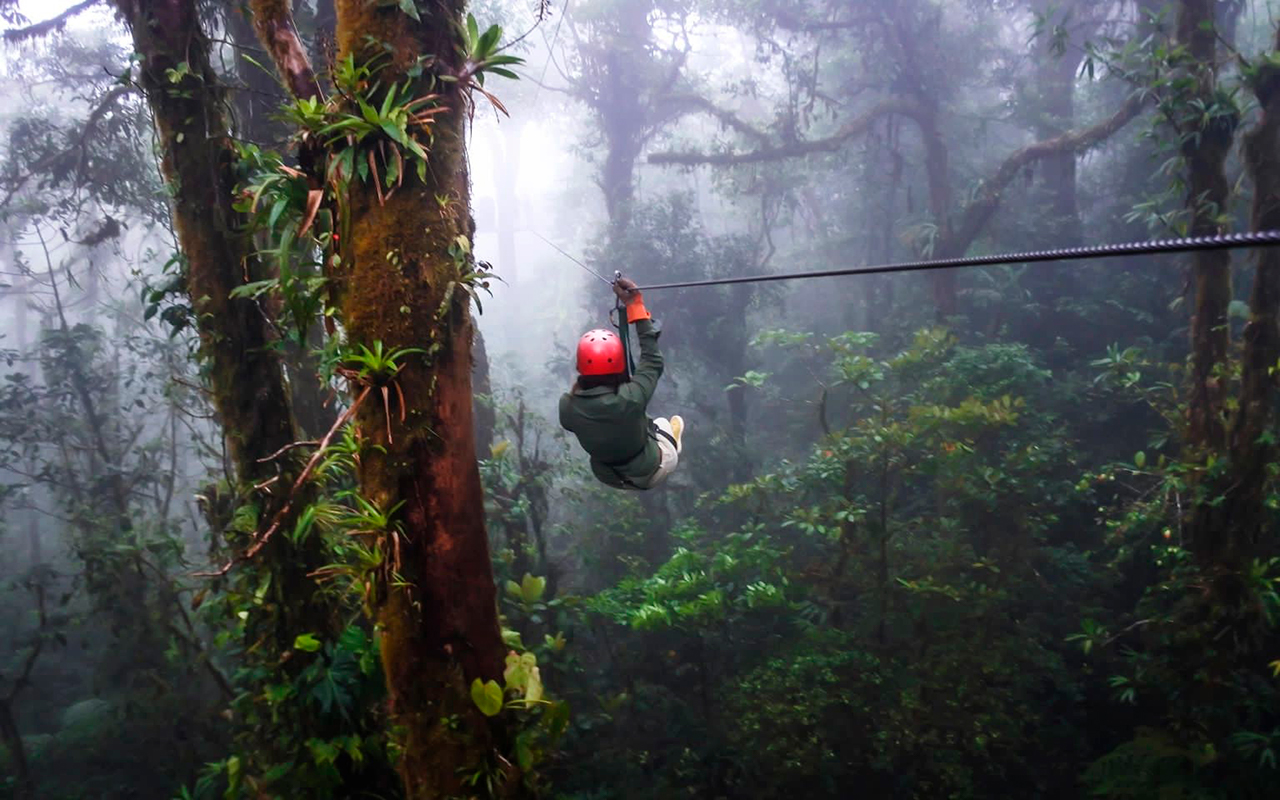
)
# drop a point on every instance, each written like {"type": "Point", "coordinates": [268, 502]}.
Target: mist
{"type": "Point", "coordinates": [308, 488]}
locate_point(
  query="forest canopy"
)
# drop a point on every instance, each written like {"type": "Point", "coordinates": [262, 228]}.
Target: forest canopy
{"type": "Point", "coordinates": [290, 292]}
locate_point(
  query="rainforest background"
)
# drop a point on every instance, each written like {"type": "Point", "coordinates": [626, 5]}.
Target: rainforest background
{"type": "Point", "coordinates": [285, 510]}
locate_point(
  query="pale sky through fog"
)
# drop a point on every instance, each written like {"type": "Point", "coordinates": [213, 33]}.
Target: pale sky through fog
{"type": "Point", "coordinates": [546, 159]}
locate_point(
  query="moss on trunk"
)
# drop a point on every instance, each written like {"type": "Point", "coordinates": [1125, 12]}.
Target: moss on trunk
{"type": "Point", "coordinates": [1205, 149]}
{"type": "Point", "coordinates": [399, 284]}
{"type": "Point", "coordinates": [250, 394]}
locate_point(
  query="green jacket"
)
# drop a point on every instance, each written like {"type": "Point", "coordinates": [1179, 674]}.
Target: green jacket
{"type": "Point", "coordinates": [611, 424]}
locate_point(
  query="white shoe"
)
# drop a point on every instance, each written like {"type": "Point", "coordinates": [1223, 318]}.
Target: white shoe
{"type": "Point", "coordinates": [677, 428]}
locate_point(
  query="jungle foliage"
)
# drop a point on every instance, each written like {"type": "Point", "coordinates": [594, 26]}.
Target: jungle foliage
{"type": "Point", "coordinates": [1007, 532]}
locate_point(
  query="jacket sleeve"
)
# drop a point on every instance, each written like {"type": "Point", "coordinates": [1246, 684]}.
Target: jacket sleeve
{"type": "Point", "coordinates": [645, 379]}
{"type": "Point", "coordinates": [566, 418]}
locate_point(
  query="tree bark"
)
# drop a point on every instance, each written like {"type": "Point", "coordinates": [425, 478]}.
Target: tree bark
{"type": "Point", "coordinates": [1228, 537]}
{"type": "Point", "coordinates": [438, 621]}
{"type": "Point", "coordinates": [1205, 148]}
{"type": "Point", "coordinates": [249, 391]}
{"type": "Point", "coordinates": [483, 410]}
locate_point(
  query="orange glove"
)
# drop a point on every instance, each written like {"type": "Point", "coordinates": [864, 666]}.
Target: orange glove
{"type": "Point", "coordinates": [627, 292]}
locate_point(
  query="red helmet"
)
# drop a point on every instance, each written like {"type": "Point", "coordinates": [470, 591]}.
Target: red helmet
{"type": "Point", "coordinates": [600, 353]}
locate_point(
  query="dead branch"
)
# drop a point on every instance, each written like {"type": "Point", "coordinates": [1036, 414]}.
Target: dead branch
{"type": "Point", "coordinates": [262, 540]}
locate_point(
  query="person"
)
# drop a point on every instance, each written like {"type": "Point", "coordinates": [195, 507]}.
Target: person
{"type": "Point", "coordinates": [608, 413]}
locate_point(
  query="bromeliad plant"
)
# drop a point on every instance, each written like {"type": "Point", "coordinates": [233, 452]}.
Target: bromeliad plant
{"type": "Point", "coordinates": [367, 138]}
{"type": "Point", "coordinates": [481, 54]}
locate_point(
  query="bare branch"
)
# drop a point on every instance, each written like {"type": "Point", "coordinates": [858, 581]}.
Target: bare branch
{"type": "Point", "coordinates": [792, 22]}
{"type": "Point", "coordinates": [261, 540]}
{"type": "Point", "coordinates": [977, 213]}
{"type": "Point", "coordinates": [853, 128]}
{"type": "Point", "coordinates": [48, 26]}
{"type": "Point", "coordinates": [693, 103]}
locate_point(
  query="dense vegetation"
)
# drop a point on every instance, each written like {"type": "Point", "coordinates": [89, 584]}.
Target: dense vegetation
{"type": "Point", "coordinates": [278, 522]}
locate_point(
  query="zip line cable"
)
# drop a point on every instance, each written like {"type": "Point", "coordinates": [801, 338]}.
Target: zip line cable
{"type": "Point", "coordinates": [1226, 241]}
{"type": "Point", "coordinates": [571, 258]}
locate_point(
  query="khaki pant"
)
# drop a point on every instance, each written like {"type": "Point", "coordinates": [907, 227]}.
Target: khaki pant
{"type": "Point", "coordinates": [670, 455]}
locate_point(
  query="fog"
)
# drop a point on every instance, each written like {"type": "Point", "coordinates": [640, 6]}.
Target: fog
{"type": "Point", "coordinates": [1006, 531]}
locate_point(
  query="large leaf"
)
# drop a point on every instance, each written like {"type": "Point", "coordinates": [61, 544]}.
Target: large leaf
{"type": "Point", "coordinates": [487, 696]}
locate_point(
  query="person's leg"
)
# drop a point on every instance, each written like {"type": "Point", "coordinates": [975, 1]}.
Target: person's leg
{"type": "Point", "coordinates": [668, 446]}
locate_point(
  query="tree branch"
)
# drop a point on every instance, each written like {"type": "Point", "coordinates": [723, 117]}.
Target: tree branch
{"type": "Point", "coordinates": [978, 213]}
{"type": "Point", "coordinates": [273, 21]}
{"type": "Point", "coordinates": [48, 26]}
{"type": "Point", "coordinates": [91, 122]}
{"type": "Point", "coordinates": [851, 129]}
{"type": "Point", "coordinates": [692, 103]}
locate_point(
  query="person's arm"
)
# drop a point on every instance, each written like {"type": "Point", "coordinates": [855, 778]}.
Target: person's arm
{"type": "Point", "coordinates": [649, 369]}
{"type": "Point", "coordinates": [566, 418]}
{"type": "Point", "coordinates": [645, 379]}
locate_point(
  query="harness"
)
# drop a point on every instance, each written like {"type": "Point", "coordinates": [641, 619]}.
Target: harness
{"type": "Point", "coordinates": [654, 432]}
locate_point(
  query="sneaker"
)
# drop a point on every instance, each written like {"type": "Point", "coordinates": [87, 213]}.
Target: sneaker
{"type": "Point", "coordinates": [677, 428]}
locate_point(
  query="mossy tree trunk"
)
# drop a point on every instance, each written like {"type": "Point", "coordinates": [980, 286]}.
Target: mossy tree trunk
{"type": "Point", "coordinates": [1205, 147]}
{"type": "Point", "coordinates": [404, 260]}
{"type": "Point", "coordinates": [400, 285]}
{"type": "Point", "coordinates": [1227, 534]}
{"type": "Point", "coordinates": [249, 390]}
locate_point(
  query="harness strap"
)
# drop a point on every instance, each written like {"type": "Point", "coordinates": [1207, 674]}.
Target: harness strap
{"type": "Point", "coordinates": [654, 431]}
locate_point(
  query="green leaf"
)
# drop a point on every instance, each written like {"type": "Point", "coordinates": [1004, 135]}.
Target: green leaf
{"type": "Point", "coordinates": [473, 32]}
{"type": "Point", "coordinates": [393, 172]}
{"type": "Point", "coordinates": [233, 778]}
{"type": "Point", "coordinates": [277, 209]}
{"type": "Point", "coordinates": [1140, 459]}
{"type": "Point", "coordinates": [488, 41]}
{"type": "Point", "coordinates": [556, 719]}
{"type": "Point", "coordinates": [531, 588]}
{"type": "Point", "coordinates": [524, 753]}
{"type": "Point", "coordinates": [533, 684]}
{"type": "Point", "coordinates": [396, 133]}
{"type": "Point", "coordinates": [410, 8]}
{"type": "Point", "coordinates": [511, 639]}
{"type": "Point", "coordinates": [390, 99]}
{"type": "Point", "coordinates": [306, 642]}
{"type": "Point", "coordinates": [487, 696]}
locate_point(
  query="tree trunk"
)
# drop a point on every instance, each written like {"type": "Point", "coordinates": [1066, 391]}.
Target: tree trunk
{"type": "Point", "coordinates": [438, 620]}
{"type": "Point", "coordinates": [1205, 149]}
{"type": "Point", "coordinates": [248, 387]}
{"type": "Point", "coordinates": [1055, 82]}
{"type": "Point", "coordinates": [1251, 452]}
{"type": "Point", "coordinates": [24, 787]}
{"type": "Point", "coordinates": [250, 394]}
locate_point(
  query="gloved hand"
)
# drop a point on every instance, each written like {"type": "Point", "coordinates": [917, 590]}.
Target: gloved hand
{"type": "Point", "coordinates": [629, 293]}
{"type": "Point", "coordinates": [625, 289]}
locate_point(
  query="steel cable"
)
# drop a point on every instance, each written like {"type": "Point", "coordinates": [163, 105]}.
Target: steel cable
{"type": "Point", "coordinates": [1226, 241]}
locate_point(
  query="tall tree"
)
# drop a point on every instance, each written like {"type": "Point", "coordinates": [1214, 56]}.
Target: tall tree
{"type": "Point", "coordinates": [400, 279]}
{"type": "Point", "coordinates": [1205, 140]}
